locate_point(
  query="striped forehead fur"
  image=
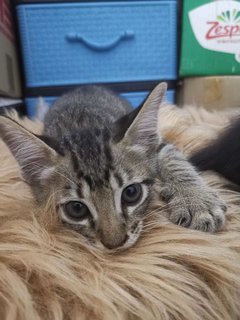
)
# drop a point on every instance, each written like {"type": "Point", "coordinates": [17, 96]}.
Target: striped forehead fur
{"type": "Point", "coordinates": [91, 155]}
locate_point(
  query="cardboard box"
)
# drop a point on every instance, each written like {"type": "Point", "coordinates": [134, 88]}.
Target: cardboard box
{"type": "Point", "coordinates": [210, 38]}
{"type": "Point", "coordinates": [214, 93]}
{"type": "Point", "coordinates": [9, 70]}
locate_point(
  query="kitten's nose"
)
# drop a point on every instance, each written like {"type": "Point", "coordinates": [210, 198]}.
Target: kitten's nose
{"type": "Point", "coordinates": [114, 242]}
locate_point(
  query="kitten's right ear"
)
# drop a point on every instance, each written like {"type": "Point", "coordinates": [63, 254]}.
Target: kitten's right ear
{"type": "Point", "coordinates": [35, 158]}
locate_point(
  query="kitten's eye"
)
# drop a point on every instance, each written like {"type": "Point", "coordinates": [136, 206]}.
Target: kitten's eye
{"type": "Point", "coordinates": [132, 194]}
{"type": "Point", "coordinates": [76, 210]}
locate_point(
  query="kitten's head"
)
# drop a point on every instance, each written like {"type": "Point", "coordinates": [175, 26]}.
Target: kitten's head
{"type": "Point", "coordinates": [103, 180]}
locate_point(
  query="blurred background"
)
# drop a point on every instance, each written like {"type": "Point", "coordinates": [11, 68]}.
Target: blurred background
{"type": "Point", "coordinates": [50, 47]}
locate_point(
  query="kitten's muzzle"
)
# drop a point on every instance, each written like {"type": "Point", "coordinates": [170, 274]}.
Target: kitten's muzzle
{"type": "Point", "coordinates": [114, 241]}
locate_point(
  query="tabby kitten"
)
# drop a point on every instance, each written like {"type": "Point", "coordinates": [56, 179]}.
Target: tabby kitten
{"type": "Point", "coordinates": [103, 161]}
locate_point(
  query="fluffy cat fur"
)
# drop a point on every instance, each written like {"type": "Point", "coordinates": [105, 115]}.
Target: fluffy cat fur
{"type": "Point", "coordinates": [93, 148]}
{"type": "Point", "coordinates": [49, 272]}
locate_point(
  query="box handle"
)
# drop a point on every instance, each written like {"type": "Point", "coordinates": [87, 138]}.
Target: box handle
{"type": "Point", "coordinates": [76, 37]}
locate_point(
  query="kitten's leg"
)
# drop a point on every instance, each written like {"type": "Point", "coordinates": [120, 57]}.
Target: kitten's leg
{"type": "Point", "coordinates": [191, 202]}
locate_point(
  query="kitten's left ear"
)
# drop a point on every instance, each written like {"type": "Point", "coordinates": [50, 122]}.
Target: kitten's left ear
{"type": "Point", "coordinates": [141, 126]}
{"type": "Point", "coordinates": [34, 157]}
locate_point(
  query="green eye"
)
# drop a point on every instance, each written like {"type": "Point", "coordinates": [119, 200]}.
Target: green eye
{"type": "Point", "coordinates": [76, 210]}
{"type": "Point", "coordinates": [132, 194]}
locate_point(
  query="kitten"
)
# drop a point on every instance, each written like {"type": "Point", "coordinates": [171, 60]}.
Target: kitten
{"type": "Point", "coordinates": [104, 160]}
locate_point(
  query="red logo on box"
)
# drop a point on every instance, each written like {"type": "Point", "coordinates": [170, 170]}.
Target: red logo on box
{"type": "Point", "coordinates": [218, 31]}
{"type": "Point", "coordinates": [227, 25]}
{"type": "Point", "coordinates": [6, 25]}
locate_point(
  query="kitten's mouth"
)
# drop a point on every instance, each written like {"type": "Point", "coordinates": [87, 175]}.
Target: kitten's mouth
{"type": "Point", "coordinates": [132, 237]}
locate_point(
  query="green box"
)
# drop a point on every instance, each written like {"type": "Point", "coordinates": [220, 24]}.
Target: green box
{"type": "Point", "coordinates": [210, 38]}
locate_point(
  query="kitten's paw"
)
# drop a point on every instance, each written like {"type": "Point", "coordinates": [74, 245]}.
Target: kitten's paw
{"type": "Point", "coordinates": [205, 212]}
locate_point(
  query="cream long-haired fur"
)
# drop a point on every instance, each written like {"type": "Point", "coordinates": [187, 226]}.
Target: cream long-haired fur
{"type": "Point", "coordinates": [49, 272]}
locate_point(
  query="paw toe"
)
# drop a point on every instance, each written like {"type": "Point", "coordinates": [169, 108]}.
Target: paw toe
{"type": "Point", "coordinates": [223, 207]}
{"type": "Point", "coordinates": [181, 217]}
{"type": "Point", "coordinates": [203, 222]}
{"type": "Point", "coordinates": [218, 216]}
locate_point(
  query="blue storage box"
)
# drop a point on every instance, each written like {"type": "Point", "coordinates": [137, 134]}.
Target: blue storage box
{"type": "Point", "coordinates": [98, 42]}
{"type": "Point", "coordinates": [135, 99]}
